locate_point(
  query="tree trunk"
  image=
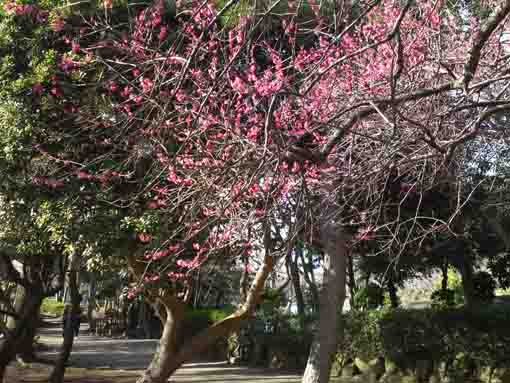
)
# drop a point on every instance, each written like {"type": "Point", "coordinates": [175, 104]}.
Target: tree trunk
{"type": "Point", "coordinates": [296, 284]}
{"type": "Point", "coordinates": [57, 375]}
{"type": "Point", "coordinates": [309, 277]}
{"type": "Point", "coordinates": [14, 337]}
{"type": "Point", "coordinates": [158, 370]}
{"type": "Point", "coordinates": [19, 299]}
{"type": "Point", "coordinates": [392, 291]}
{"type": "Point", "coordinates": [25, 345]}
{"type": "Point", "coordinates": [351, 281]}
{"type": "Point", "coordinates": [171, 356]}
{"type": "Point", "coordinates": [466, 271]}
{"type": "Point", "coordinates": [444, 280]}
{"type": "Point", "coordinates": [324, 348]}
{"type": "Point", "coordinates": [92, 302]}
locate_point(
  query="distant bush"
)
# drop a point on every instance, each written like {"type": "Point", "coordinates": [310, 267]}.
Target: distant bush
{"type": "Point", "coordinates": [51, 306]}
{"type": "Point", "coordinates": [370, 297]}
{"type": "Point", "coordinates": [197, 320]}
{"type": "Point", "coordinates": [443, 298]}
{"type": "Point", "coordinates": [484, 289]}
{"type": "Point", "coordinates": [484, 286]}
{"type": "Point", "coordinates": [362, 337]}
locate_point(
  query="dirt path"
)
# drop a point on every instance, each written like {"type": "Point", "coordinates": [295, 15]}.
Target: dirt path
{"type": "Point", "coordinates": [103, 360]}
{"type": "Point", "coordinates": [90, 351]}
{"type": "Point", "coordinates": [191, 373]}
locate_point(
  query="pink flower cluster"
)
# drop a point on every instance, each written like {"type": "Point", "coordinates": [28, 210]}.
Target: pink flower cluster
{"type": "Point", "coordinates": [162, 253]}
{"type": "Point", "coordinates": [151, 279]}
{"type": "Point", "coordinates": [32, 11]}
{"type": "Point", "coordinates": [174, 276]}
{"type": "Point", "coordinates": [174, 178]}
{"type": "Point", "coordinates": [190, 263]}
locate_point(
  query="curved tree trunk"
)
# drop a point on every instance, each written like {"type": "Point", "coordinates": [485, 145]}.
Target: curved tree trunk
{"type": "Point", "coordinates": [172, 356]}
{"type": "Point", "coordinates": [161, 362]}
{"type": "Point", "coordinates": [318, 368]}
{"type": "Point", "coordinates": [57, 375]}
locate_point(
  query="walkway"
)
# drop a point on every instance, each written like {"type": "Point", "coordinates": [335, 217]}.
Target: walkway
{"type": "Point", "coordinates": [125, 358]}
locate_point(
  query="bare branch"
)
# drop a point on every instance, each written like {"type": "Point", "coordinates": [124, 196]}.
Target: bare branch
{"type": "Point", "coordinates": [480, 39]}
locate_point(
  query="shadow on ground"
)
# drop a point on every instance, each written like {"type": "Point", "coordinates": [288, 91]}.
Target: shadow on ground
{"type": "Point", "coordinates": [192, 373]}
{"type": "Point", "coordinates": [104, 360]}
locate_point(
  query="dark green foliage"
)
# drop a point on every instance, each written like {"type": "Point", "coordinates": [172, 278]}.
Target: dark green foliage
{"type": "Point", "coordinates": [361, 337]}
{"type": "Point", "coordinates": [370, 297]}
{"type": "Point", "coordinates": [440, 336]}
{"type": "Point", "coordinates": [198, 320]}
{"type": "Point", "coordinates": [274, 341]}
{"type": "Point", "coordinates": [499, 265]}
{"type": "Point", "coordinates": [443, 298]}
{"type": "Point", "coordinates": [484, 286]}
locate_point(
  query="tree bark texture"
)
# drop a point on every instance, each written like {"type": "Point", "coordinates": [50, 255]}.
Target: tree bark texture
{"type": "Point", "coordinates": [332, 298]}
{"type": "Point", "coordinates": [392, 292]}
{"type": "Point", "coordinates": [10, 346]}
{"type": "Point", "coordinates": [296, 284]}
{"type": "Point", "coordinates": [466, 271]}
{"type": "Point", "coordinates": [309, 277]}
{"type": "Point", "coordinates": [444, 280]}
{"type": "Point", "coordinates": [351, 281]}
{"type": "Point", "coordinates": [25, 345]}
{"type": "Point", "coordinates": [172, 355]}
{"type": "Point", "coordinates": [92, 302]}
{"type": "Point", "coordinates": [57, 375]}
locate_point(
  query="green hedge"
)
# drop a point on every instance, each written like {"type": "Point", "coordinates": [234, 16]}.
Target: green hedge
{"type": "Point", "coordinates": [197, 320]}
{"type": "Point", "coordinates": [51, 306]}
{"type": "Point", "coordinates": [482, 335]}
{"type": "Point", "coordinates": [451, 338]}
{"type": "Point", "coordinates": [362, 338]}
